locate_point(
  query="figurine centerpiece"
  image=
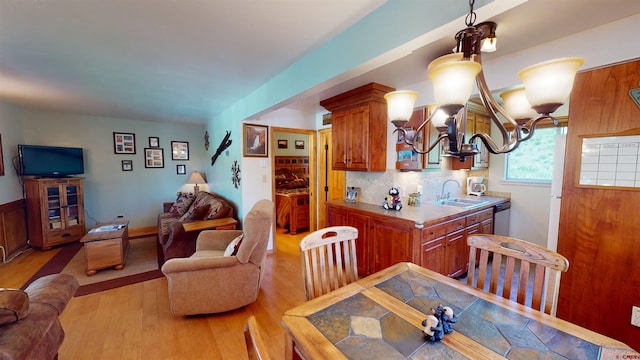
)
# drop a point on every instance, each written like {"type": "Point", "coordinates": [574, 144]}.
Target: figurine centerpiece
{"type": "Point", "coordinates": [438, 323]}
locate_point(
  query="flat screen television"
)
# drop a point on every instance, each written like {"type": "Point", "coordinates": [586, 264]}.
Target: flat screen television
{"type": "Point", "coordinates": [54, 161]}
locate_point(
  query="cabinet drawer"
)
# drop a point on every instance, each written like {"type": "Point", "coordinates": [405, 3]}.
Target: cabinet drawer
{"type": "Point", "coordinates": [66, 235]}
{"type": "Point", "coordinates": [434, 232]}
{"type": "Point", "coordinates": [479, 216]}
{"type": "Point", "coordinates": [455, 225]}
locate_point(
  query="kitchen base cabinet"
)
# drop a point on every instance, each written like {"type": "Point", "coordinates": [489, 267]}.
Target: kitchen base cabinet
{"type": "Point", "coordinates": [444, 246]}
{"type": "Point", "coordinates": [381, 242]}
{"type": "Point", "coordinates": [385, 240]}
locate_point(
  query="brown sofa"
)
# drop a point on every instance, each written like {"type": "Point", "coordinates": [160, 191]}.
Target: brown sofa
{"type": "Point", "coordinates": [29, 324]}
{"type": "Point", "coordinates": [173, 240]}
{"type": "Point", "coordinates": [212, 281]}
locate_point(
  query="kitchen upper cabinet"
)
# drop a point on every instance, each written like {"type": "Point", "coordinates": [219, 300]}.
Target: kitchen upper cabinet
{"type": "Point", "coordinates": [359, 128]}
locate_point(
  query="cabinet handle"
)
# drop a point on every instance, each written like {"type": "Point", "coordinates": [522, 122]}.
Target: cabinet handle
{"type": "Point", "coordinates": [66, 234]}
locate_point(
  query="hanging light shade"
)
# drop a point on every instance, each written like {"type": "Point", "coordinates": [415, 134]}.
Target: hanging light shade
{"type": "Point", "coordinates": [548, 84]}
{"type": "Point", "coordinates": [452, 83]}
{"type": "Point", "coordinates": [438, 118]}
{"type": "Point", "coordinates": [546, 87]}
{"type": "Point", "coordinates": [516, 104]}
{"type": "Point", "coordinates": [400, 106]}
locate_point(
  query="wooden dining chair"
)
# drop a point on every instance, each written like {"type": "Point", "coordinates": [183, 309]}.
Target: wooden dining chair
{"type": "Point", "coordinates": [538, 270]}
{"type": "Point", "coordinates": [329, 260]}
{"type": "Point", "coordinates": [256, 348]}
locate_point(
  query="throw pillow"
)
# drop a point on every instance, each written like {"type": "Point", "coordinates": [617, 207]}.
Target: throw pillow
{"type": "Point", "coordinates": [197, 214]}
{"type": "Point", "coordinates": [234, 245]}
{"type": "Point", "coordinates": [14, 305]}
{"type": "Point", "coordinates": [182, 203]}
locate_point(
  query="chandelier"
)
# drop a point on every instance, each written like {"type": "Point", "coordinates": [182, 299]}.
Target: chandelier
{"type": "Point", "coordinates": [547, 85]}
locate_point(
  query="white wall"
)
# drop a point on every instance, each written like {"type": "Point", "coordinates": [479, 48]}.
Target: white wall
{"type": "Point", "coordinates": [256, 173]}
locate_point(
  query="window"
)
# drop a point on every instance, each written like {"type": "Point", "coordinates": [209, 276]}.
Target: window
{"type": "Point", "coordinates": [533, 159]}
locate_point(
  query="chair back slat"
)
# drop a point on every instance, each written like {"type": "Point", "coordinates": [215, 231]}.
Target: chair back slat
{"type": "Point", "coordinates": [256, 349]}
{"type": "Point", "coordinates": [529, 269]}
{"type": "Point", "coordinates": [333, 261]}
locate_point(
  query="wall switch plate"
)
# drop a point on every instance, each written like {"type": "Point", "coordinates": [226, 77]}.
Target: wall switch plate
{"type": "Point", "coordinates": [635, 316]}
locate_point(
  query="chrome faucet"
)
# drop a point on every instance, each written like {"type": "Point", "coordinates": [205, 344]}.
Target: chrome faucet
{"type": "Point", "coordinates": [442, 194]}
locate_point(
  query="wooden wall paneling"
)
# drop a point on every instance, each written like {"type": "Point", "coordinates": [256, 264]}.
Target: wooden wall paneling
{"type": "Point", "coordinates": [13, 227]}
{"type": "Point", "coordinates": [599, 227]}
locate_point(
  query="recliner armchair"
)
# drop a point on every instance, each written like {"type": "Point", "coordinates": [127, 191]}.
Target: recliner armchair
{"type": "Point", "coordinates": [210, 282]}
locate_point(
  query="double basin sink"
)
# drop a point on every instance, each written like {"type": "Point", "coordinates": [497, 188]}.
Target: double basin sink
{"type": "Point", "coordinates": [460, 202]}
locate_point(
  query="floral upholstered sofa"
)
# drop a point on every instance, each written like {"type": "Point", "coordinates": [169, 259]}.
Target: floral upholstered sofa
{"type": "Point", "coordinates": [173, 240]}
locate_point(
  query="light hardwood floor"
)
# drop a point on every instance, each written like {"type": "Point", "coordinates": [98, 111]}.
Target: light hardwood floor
{"type": "Point", "coordinates": [134, 322]}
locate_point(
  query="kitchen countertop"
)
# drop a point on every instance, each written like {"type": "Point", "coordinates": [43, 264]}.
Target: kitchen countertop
{"type": "Point", "coordinates": [426, 214]}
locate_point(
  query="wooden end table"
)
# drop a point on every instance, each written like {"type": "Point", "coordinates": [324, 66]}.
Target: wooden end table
{"type": "Point", "coordinates": [105, 246]}
{"type": "Point", "coordinates": [227, 223]}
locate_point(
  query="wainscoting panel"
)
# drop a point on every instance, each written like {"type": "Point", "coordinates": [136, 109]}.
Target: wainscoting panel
{"type": "Point", "coordinates": [13, 228]}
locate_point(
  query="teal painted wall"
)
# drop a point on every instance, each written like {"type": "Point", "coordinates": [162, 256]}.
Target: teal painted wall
{"type": "Point", "coordinates": [108, 190]}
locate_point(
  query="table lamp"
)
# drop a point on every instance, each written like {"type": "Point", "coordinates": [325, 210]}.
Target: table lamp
{"type": "Point", "coordinates": [195, 179]}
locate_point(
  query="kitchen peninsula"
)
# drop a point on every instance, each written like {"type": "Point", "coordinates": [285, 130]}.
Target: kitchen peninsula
{"type": "Point", "coordinates": [431, 235]}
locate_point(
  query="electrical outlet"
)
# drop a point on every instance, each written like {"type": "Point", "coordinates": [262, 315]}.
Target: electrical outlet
{"type": "Point", "coordinates": [635, 316]}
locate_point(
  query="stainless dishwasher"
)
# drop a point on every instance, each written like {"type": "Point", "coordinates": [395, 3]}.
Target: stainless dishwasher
{"type": "Point", "coordinates": [501, 218]}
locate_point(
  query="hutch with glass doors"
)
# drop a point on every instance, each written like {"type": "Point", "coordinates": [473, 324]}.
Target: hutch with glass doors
{"type": "Point", "coordinates": [55, 211]}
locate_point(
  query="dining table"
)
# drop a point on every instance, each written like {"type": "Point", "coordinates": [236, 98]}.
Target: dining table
{"type": "Point", "coordinates": [381, 317]}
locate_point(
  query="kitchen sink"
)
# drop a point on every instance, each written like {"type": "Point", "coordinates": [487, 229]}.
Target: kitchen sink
{"type": "Point", "coordinates": [459, 202]}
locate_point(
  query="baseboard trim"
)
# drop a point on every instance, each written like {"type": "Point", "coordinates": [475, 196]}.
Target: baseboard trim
{"type": "Point", "coordinates": [143, 232]}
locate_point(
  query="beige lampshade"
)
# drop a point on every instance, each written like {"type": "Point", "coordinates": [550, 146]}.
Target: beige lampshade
{"type": "Point", "coordinates": [550, 82]}
{"type": "Point", "coordinates": [516, 104]}
{"type": "Point", "coordinates": [453, 81]}
{"type": "Point", "coordinates": [196, 178]}
{"type": "Point", "coordinates": [400, 105]}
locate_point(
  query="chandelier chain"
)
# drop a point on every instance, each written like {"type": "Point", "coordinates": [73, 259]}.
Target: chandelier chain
{"type": "Point", "coordinates": [471, 16]}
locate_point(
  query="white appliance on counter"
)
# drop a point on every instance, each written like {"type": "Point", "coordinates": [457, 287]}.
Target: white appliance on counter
{"type": "Point", "coordinates": [475, 186]}
{"type": "Point", "coordinates": [556, 191]}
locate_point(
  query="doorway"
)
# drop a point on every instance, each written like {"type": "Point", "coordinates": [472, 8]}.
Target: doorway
{"type": "Point", "coordinates": [294, 175]}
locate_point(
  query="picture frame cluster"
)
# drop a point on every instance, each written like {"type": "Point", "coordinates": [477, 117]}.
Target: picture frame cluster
{"type": "Point", "coordinates": [124, 143]}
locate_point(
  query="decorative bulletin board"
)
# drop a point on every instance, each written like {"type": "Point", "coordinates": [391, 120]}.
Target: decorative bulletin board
{"type": "Point", "coordinates": [610, 160]}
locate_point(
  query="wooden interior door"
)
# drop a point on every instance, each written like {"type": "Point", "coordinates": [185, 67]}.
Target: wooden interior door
{"type": "Point", "coordinates": [599, 226]}
{"type": "Point", "coordinates": [331, 183]}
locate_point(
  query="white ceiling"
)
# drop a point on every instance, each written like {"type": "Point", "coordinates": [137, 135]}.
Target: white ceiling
{"type": "Point", "coordinates": [188, 60]}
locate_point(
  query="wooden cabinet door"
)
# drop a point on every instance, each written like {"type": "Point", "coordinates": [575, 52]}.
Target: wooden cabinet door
{"type": "Point", "coordinates": [358, 138]}
{"type": "Point", "coordinates": [336, 216]}
{"type": "Point", "coordinates": [432, 255]}
{"type": "Point", "coordinates": [486, 227]}
{"type": "Point", "coordinates": [390, 245]}
{"type": "Point", "coordinates": [361, 222]}
{"type": "Point", "coordinates": [339, 139]}
{"type": "Point", "coordinates": [482, 125]}
{"type": "Point", "coordinates": [457, 253]}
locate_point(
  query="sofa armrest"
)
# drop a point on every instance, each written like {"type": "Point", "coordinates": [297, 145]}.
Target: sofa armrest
{"type": "Point", "coordinates": [195, 264]}
{"type": "Point", "coordinates": [55, 290]}
{"type": "Point", "coordinates": [216, 239]}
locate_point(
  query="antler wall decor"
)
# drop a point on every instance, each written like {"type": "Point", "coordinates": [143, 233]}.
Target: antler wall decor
{"type": "Point", "coordinates": [225, 143]}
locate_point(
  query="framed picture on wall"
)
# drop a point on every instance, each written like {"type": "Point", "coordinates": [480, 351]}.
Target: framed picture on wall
{"type": "Point", "coordinates": [181, 169]}
{"type": "Point", "coordinates": [283, 144]}
{"type": "Point", "coordinates": [255, 140]}
{"type": "Point", "coordinates": [124, 143]}
{"type": "Point", "coordinates": [154, 141]}
{"type": "Point", "coordinates": [299, 144]}
{"type": "Point", "coordinates": [127, 165]}
{"type": "Point", "coordinates": [179, 150]}
{"type": "Point", "coordinates": [153, 158]}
